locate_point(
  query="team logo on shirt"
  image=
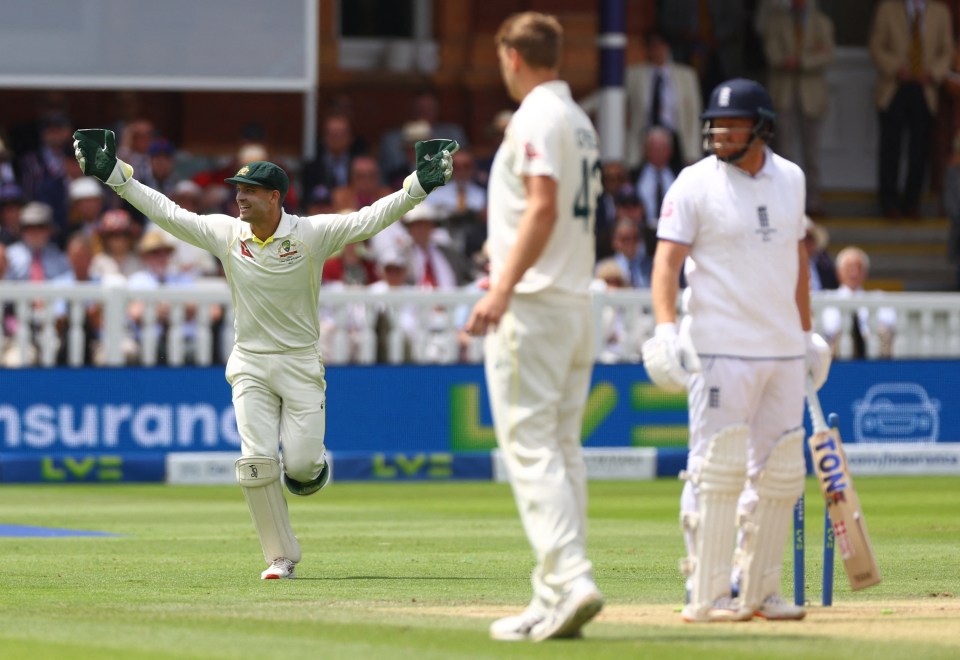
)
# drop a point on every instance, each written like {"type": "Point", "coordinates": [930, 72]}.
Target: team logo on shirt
{"type": "Point", "coordinates": [530, 151]}
{"type": "Point", "coordinates": [287, 252]}
{"type": "Point", "coordinates": [245, 251]}
{"type": "Point", "coordinates": [764, 229]}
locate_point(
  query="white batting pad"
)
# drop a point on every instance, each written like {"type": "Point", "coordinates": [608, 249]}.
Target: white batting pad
{"type": "Point", "coordinates": [765, 530]}
{"type": "Point", "coordinates": [259, 476]}
{"type": "Point", "coordinates": [718, 483]}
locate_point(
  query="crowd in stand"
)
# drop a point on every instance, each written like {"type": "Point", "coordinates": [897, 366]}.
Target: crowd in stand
{"type": "Point", "coordinates": [58, 226]}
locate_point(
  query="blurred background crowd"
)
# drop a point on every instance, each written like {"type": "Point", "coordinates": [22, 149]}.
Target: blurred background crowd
{"type": "Point", "coordinates": [59, 226]}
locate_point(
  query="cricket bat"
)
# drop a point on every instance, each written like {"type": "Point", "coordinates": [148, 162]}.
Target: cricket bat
{"type": "Point", "coordinates": [843, 505]}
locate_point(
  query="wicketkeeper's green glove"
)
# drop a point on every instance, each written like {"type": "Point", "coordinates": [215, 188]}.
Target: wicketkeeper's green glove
{"type": "Point", "coordinates": [96, 151]}
{"type": "Point", "coordinates": [434, 167]}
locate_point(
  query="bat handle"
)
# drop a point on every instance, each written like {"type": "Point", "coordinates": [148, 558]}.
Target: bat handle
{"type": "Point", "coordinates": [813, 405]}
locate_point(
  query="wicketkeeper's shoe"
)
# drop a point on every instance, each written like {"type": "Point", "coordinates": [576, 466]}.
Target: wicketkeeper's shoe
{"type": "Point", "coordinates": [279, 569]}
{"type": "Point", "coordinates": [775, 608]}
{"type": "Point", "coordinates": [724, 608]}
{"type": "Point", "coordinates": [516, 628]}
{"type": "Point", "coordinates": [580, 603]}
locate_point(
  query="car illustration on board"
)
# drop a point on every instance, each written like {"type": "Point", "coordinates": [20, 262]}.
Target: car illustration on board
{"type": "Point", "coordinates": [896, 412]}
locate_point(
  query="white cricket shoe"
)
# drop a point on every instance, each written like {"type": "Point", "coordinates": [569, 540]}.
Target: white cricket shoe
{"type": "Point", "coordinates": [775, 608]}
{"type": "Point", "coordinates": [578, 605]}
{"type": "Point", "coordinates": [516, 628]}
{"type": "Point", "coordinates": [724, 608]}
{"type": "Point", "coordinates": [279, 569]}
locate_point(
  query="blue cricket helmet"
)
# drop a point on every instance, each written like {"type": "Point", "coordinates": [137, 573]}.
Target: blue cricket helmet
{"type": "Point", "coordinates": [739, 98]}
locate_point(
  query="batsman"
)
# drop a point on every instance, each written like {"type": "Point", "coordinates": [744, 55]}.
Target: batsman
{"type": "Point", "coordinates": [733, 223]}
{"type": "Point", "coordinates": [273, 263]}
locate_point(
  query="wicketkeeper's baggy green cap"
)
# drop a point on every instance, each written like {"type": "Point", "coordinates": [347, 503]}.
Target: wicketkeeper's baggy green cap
{"type": "Point", "coordinates": [263, 174]}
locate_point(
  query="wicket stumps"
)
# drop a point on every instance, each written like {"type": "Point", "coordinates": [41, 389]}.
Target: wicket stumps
{"type": "Point", "coordinates": [799, 550]}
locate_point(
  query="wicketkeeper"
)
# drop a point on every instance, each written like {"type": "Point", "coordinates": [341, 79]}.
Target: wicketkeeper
{"type": "Point", "coordinates": [273, 262]}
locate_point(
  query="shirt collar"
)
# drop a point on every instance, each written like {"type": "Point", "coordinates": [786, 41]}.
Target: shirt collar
{"type": "Point", "coordinates": [283, 229]}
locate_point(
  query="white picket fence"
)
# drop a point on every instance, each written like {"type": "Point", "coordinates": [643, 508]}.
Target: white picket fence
{"type": "Point", "coordinates": [50, 315]}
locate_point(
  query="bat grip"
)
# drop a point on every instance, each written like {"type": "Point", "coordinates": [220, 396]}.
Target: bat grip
{"type": "Point", "coordinates": [813, 406]}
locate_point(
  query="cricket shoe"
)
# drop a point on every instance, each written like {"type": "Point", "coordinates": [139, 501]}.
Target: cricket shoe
{"type": "Point", "coordinates": [724, 608]}
{"type": "Point", "coordinates": [516, 628]}
{"type": "Point", "coordinates": [775, 608]}
{"type": "Point", "coordinates": [279, 569]}
{"type": "Point", "coordinates": [578, 605]}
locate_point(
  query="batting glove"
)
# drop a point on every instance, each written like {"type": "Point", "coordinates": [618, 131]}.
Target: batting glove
{"type": "Point", "coordinates": [669, 357]}
{"type": "Point", "coordinates": [434, 167]}
{"type": "Point", "coordinates": [96, 151]}
{"type": "Point", "coordinates": [819, 357]}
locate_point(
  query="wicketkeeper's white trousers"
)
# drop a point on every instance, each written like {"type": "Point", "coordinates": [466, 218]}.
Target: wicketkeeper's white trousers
{"type": "Point", "coordinates": [538, 364]}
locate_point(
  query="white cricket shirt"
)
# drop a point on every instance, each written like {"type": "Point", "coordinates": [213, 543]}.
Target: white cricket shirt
{"type": "Point", "coordinates": [549, 135]}
{"type": "Point", "coordinates": [743, 232]}
{"type": "Point", "coordinates": [275, 284]}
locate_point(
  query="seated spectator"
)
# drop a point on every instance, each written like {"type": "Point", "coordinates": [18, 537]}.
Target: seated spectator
{"type": "Point", "coordinates": [134, 148]}
{"type": "Point", "coordinates": [823, 273]}
{"type": "Point", "coordinates": [432, 264]}
{"type": "Point", "coordinates": [364, 187]}
{"type": "Point", "coordinates": [616, 181]}
{"type": "Point", "coordinates": [330, 168]}
{"type": "Point", "coordinates": [619, 343]}
{"type": "Point", "coordinates": [80, 253]}
{"type": "Point", "coordinates": [35, 258]}
{"type": "Point", "coordinates": [352, 267]}
{"type": "Point", "coordinates": [493, 137]}
{"type": "Point", "coordinates": [463, 202]}
{"type": "Point", "coordinates": [163, 165]}
{"type": "Point", "coordinates": [853, 268]}
{"type": "Point", "coordinates": [86, 205]}
{"type": "Point", "coordinates": [118, 259]}
{"type": "Point", "coordinates": [425, 107]}
{"type": "Point", "coordinates": [11, 204]}
{"type": "Point", "coordinates": [628, 252]}
{"type": "Point", "coordinates": [655, 176]}
{"type": "Point", "coordinates": [7, 173]}
{"type": "Point", "coordinates": [319, 201]}
{"type": "Point", "coordinates": [396, 327]}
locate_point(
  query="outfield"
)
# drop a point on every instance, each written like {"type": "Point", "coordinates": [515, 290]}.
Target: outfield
{"type": "Point", "coordinates": [418, 570]}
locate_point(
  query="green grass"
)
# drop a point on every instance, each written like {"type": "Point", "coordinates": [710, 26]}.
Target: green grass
{"type": "Point", "coordinates": [418, 570]}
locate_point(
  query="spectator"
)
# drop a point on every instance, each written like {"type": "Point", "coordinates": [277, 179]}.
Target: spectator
{"type": "Point", "coordinates": [653, 181]}
{"type": "Point", "coordinates": [823, 273]}
{"type": "Point", "coordinates": [628, 253]}
{"type": "Point", "coordinates": [911, 43]}
{"type": "Point", "coordinates": [134, 148]}
{"type": "Point", "coordinates": [618, 342]}
{"type": "Point", "coordinates": [364, 187]}
{"type": "Point", "coordinates": [951, 204]}
{"type": "Point", "coordinates": [616, 182]}
{"type": "Point", "coordinates": [708, 35]}
{"type": "Point", "coordinates": [494, 136]}
{"type": "Point", "coordinates": [352, 267]}
{"type": "Point", "coordinates": [425, 107]}
{"type": "Point", "coordinates": [44, 172]}
{"type": "Point", "coordinates": [396, 327]}
{"type": "Point", "coordinates": [463, 202]}
{"type": "Point", "coordinates": [11, 204]}
{"type": "Point", "coordinates": [853, 269]}
{"type": "Point", "coordinates": [80, 253]}
{"type": "Point", "coordinates": [432, 265]}
{"type": "Point", "coordinates": [330, 168]}
{"type": "Point", "coordinates": [86, 205]}
{"type": "Point", "coordinates": [35, 258]}
{"type": "Point", "coordinates": [799, 46]}
{"type": "Point", "coordinates": [163, 165]}
{"type": "Point", "coordinates": [319, 201]}
{"type": "Point", "coordinates": [7, 174]}
{"type": "Point", "coordinates": [118, 258]}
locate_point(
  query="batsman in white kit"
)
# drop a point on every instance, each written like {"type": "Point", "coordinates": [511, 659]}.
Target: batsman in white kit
{"type": "Point", "coordinates": [539, 351]}
{"type": "Point", "coordinates": [733, 223]}
{"type": "Point", "coordinates": [273, 262]}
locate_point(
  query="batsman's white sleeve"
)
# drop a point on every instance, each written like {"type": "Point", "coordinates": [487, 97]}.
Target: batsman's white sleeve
{"type": "Point", "coordinates": [209, 232]}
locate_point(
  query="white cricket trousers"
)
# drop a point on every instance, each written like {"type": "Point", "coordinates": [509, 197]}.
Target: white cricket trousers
{"type": "Point", "coordinates": [766, 395]}
{"type": "Point", "coordinates": [280, 400]}
{"type": "Point", "coordinates": [538, 363]}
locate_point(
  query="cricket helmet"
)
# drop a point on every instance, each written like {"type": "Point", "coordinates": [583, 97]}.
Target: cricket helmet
{"type": "Point", "coordinates": [739, 98]}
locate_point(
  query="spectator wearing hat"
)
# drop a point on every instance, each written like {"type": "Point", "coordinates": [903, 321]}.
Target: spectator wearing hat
{"type": "Point", "coordinates": [35, 258]}
{"type": "Point", "coordinates": [44, 172]}
{"type": "Point", "coordinates": [86, 205]}
{"type": "Point", "coordinates": [11, 203]}
{"type": "Point", "coordinates": [433, 265]}
{"type": "Point", "coordinates": [823, 273]}
{"type": "Point", "coordinates": [395, 327]}
{"type": "Point", "coordinates": [118, 258]}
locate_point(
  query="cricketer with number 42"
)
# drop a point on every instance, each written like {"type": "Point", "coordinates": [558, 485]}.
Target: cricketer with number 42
{"type": "Point", "coordinates": [843, 505]}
